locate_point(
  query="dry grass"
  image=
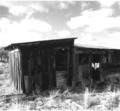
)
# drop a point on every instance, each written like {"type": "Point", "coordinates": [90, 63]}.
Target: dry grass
{"type": "Point", "coordinates": [56, 101]}
{"type": "Point", "coordinates": [66, 101]}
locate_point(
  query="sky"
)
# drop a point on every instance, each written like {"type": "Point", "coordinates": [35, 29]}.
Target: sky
{"type": "Point", "coordinates": [92, 22]}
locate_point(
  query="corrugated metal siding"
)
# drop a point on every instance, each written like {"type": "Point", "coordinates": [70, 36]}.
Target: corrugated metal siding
{"type": "Point", "coordinates": [15, 69]}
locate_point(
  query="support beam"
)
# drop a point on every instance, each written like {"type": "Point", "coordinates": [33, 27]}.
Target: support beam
{"type": "Point", "coordinates": [70, 73]}
{"type": "Point", "coordinates": [51, 64]}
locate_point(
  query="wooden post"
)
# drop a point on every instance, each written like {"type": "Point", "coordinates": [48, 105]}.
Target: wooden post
{"type": "Point", "coordinates": [75, 67]}
{"type": "Point", "coordinates": [23, 85]}
{"type": "Point", "coordinates": [90, 63]}
{"type": "Point", "coordinates": [51, 65]}
{"type": "Point", "coordinates": [45, 68]}
{"type": "Point", "coordinates": [53, 68]}
{"type": "Point", "coordinates": [70, 74]}
{"type": "Point", "coordinates": [68, 63]}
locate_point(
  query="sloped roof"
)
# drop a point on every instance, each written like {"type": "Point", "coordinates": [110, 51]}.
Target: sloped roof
{"type": "Point", "coordinates": [30, 40]}
{"type": "Point", "coordinates": [107, 44]}
{"type": "Point", "coordinates": [42, 42]}
{"type": "Point", "coordinates": [97, 45]}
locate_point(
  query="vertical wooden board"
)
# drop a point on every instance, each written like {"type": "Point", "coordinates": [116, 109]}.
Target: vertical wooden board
{"type": "Point", "coordinates": [50, 67]}
{"type": "Point", "coordinates": [52, 80]}
{"type": "Point", "coordinates": [30, 69]}
{"type": "Point", "coordinates": [42, 68]}
{"type": "Point", "coordinates": [22, 73]}
{"type": "Point", "coordinates": [45, 69]}
{"type": "Point", "coordinates": [76, 77]}
{"type": "Point", "coordinates": [68, 60]}
{"type": "Point", "coordinates": [74, 67]}
{"type": "Point", "coordinates": [69, 81]}
{"type": "Point", "coordinates": [65, 80]}
{"type": "Point", "coordinates": [54, 70]}
{"type": "Point", "coordinates": [47, 65]}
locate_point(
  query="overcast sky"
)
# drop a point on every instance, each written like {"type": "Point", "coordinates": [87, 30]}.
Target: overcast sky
{"type": "Point", "coordinates": [95, 22]}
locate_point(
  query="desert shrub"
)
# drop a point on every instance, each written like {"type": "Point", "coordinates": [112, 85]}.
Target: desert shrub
{"type": "Point", "coordinates": [4, 55]}
{"type": "Point", "coordinates": [113, 101]}
{"type": "Point", "coordinates": [93, 101]}
{"type": "Point", "coordinates": [1, 71]}
{"type": "Point", "coordinates": [102, 86]}
{"type": "Point", "coordinates": [114, 81]}
{"type": "Point", "coordinates": [78, 87]}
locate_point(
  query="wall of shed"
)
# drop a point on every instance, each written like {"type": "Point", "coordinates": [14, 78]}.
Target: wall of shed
{"type": "Point", "coordinates": [15, 69]}
{"type": "Point", "coordinates": [82, 70]}
{"type": "Point", "coordinates": [38, 68]}
{"type": "Point", "coordinates": [37, 65]}
{"type": "Point", "coordinates": [109, 66]}
{"type": "Point", "coordinates": [112, 66]}
{"type": "Point", "coordinates": [47, 77]}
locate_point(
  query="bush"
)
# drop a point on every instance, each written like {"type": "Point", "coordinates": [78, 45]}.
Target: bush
{"type": "Point", "coordinates": [113, 101]}
{"type": "Point", "coordinates": [4, 55]}
{"type": "Point", "coordinates": [1, 71]}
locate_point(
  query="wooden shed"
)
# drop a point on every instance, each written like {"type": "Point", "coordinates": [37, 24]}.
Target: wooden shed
{"type": "Point", "coordinates": [41, 65]}
{"type": "Point", "coordinates": [59, 63]}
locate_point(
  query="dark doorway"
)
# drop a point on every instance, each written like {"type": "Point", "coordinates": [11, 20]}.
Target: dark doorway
{"type": "Point", "coordinates": [95, 70]}
{"type": "Point", "coordinates": [61, 61]}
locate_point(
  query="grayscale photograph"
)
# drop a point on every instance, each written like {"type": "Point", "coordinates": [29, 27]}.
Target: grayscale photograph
{"type": "Point", "coordinates": [61, 55]}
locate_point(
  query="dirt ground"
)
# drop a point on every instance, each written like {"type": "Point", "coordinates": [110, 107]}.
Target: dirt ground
{"type": "Point", "coordinates": [54, 100]}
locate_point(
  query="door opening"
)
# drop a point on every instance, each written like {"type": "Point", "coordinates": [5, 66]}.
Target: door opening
{"type": "Point", "coordinates": [61, 61]}
{"type": "Point", "coordinates": [95, 70]}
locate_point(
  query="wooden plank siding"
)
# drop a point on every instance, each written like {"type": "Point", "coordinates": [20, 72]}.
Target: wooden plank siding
{"type": "Point", "coordinates": [70, 72]}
